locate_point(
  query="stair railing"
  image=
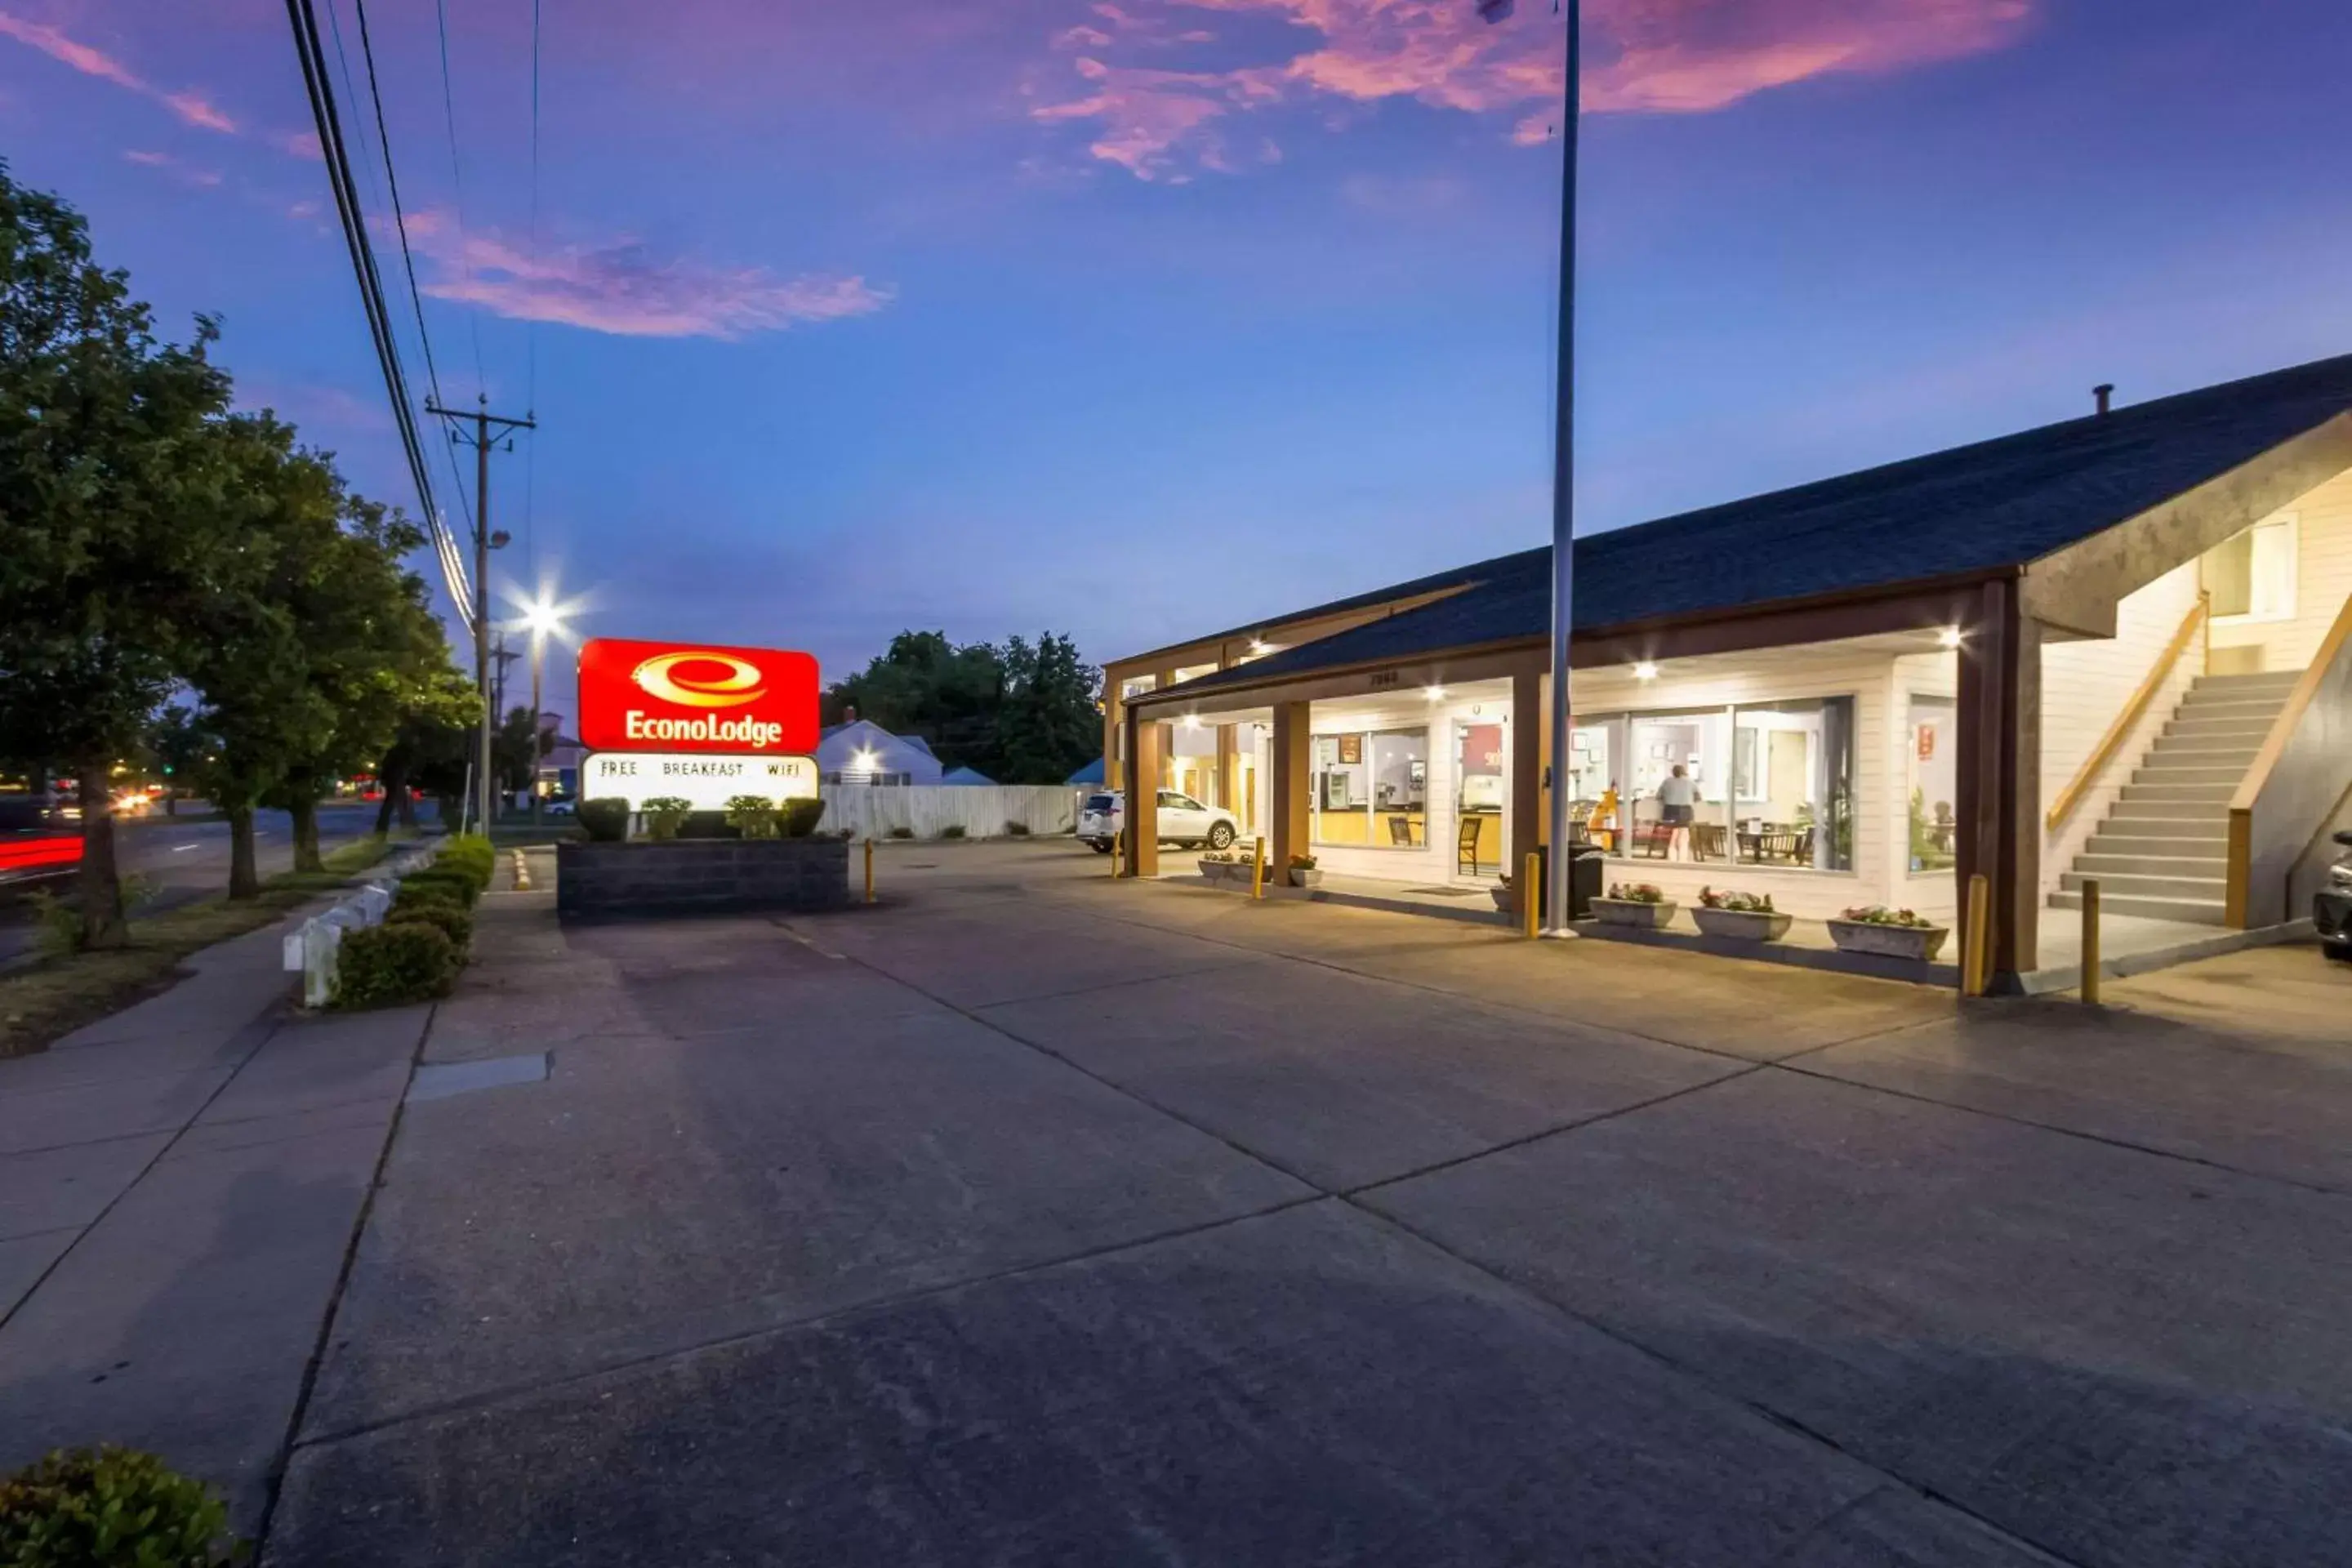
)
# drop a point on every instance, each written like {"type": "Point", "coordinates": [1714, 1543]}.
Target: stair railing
{"type": "Point", "coordinates": [2301, 766]}
{"type": "Point", "coordinates": [2200, 618]}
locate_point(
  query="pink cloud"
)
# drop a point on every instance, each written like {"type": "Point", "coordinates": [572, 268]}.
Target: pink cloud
{"type": "Point", "coordinates": [81, 56]}
{"type": "Point", "coordinates": [618, 288]}
{"type": "Point", "coordinates": [193, 108]}
{"type": "Point", "coordinates": [1654, 57]}
{"type": "Point", "coordinates": [187, 173]}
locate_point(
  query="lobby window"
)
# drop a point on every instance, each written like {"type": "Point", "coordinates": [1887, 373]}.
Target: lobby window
{"type": "Point", "coordinates": [1934, 760]}
{"type": "Point", "coordinates": [1372, 788]}
{"type": "Point", "coordinates": [2252, 575]}
{"type": "Point", "coordinates": [1698, 743]}
{"type": "Point", "coordinates": [1792, 778]}
{"type": "Point", "coordinates": [1595, 786]}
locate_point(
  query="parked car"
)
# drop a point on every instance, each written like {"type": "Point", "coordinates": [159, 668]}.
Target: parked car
{"type": "Point", "coordinates": [556, 805]}
{"type": "Point", "coordinates": [2331, 907]}
{"type": "Point", "coordinates": [1183, 820]}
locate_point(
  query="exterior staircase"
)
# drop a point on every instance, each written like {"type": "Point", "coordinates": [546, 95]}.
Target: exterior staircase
{"type": "Point", "coordinates": [2163, 852]}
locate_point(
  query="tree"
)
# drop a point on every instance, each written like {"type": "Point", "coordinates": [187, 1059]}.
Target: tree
{"type": "Point", "coordinates": [178, 744]}
{"type": "Point", "coordinates": [430, 747]}
{"type": "Point", "coordinates": [318, 647]}
{"type": "Point", "coordinates": [926, 686]}
{"type": "Point", "coordinates": [1049, 726]}
{"type": "Point", "coordinates": [104, 441]}
{"type": "Point", "coordinates": [514, 751]}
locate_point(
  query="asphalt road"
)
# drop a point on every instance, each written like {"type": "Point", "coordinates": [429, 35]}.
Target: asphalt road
{"type": "Point", "coordinates": [182, 863]}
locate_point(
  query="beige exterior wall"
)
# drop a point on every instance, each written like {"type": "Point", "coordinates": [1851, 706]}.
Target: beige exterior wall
{"type": "Point", "coordinates": [2323, 581]}
{"type": "Point", "coordinates": [2086, 685]}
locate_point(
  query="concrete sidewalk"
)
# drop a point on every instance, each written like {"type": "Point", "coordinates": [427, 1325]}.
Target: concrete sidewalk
{"type": "Point", "coordinates": [179, 1188]}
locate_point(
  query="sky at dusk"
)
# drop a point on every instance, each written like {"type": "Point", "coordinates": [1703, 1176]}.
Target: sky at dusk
{"type": "Point", "coordinates": [1141, 318]}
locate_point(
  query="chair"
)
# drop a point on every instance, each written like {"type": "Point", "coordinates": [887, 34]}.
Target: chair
{"type": "Point", "coordinates": [1708, 841]}
{"type": "Point", "coordinates": [1466, 844]}
{"type": "Point", "coordinates": [1400, 831]}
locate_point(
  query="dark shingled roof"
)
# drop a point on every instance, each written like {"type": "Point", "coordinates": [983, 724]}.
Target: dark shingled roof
{"type": "Point", "coordinates": [1982, 508]}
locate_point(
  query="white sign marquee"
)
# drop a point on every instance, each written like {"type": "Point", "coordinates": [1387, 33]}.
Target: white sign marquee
{"type": "Point", "coordinates": [707, 780]}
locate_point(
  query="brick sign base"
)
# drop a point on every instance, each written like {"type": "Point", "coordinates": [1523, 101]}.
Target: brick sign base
{"type": "Point", "coordinates": [699, 875]}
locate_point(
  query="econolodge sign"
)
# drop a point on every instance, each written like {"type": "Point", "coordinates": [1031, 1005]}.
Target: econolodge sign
{"type": "Point", "coordinates": [668, 697]}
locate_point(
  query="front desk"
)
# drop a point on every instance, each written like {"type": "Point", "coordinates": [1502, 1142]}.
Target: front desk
{"type": "Point", "coordinates": [1375, 830]}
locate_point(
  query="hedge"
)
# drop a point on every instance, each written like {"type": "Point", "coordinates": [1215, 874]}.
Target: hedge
{"type": "Point", "coordinates": [83, 1507]}
{"type": "Point", "coordinates": [447, 918]}
{"type": "Point", "coordinates": [395, 964]}
{"type": "Point", "coordinates": [606, 819]}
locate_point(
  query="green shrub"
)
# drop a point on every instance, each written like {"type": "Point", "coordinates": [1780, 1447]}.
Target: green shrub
{"type": "Point", "coordinates": [801, 817]}
{"type": "Point", "coordinates": [902, 833]}
{"type": "Point", "coordinates": [753, 815]}
{"type": "Point", "coordinates": [709, 825]}
{"type": "Point", "coordinates": [953, 830]}
{"type": "Point", "coordinates": [606, 819]}
{"type": "Point", "coordinates": [1016, 830]}
{"type": "Point", "coordinates": [93, 1508]}
{"type": "Point", "coordinates": [469, 855]}
{"type": "Point", "coordinates": [395, 964]}
{"type": "Point", "coordinates": [440, 892]}
{"type": "Point", "coordinates": [665, 815]}
{"type": "Point", "coordinates": [462, 883]}
{"type": "Point", "coordinates": [447, 918]}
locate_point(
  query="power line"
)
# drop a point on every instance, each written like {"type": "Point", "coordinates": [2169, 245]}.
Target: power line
{"type": "Point", "coordinates": [400, 223]}
{"type": "Point", "coordinates": [303, 20]}
{"type": "Point", "coordinates": [457, 183]}
{"type": "Point", "coordinates": [531, 328]}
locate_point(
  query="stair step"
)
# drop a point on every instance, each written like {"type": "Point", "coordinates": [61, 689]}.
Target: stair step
{"type": "Point", "coordinates": [2230, 707]}
{"type": "Point", "coordinates": [2219, 729]}
{"type": "Point", "coordinates": [2157, 821]}
{"type": "Point", "coordinates": [2196, 911]}
{"type": "Point", "coordinates": [2130, 846]}
{"type": "Point", "coordinates": [2103, 861]}
{"type": "Point", "coordinates": [2257, 680]}
{"type": "Point", "coordinates": [2218, 793]}
{"type": "Point", "coordinates": [2128, 887]}
{"type": "Point", "coordinates": [2177, 772]}
{"type": "Point", "coordinates": [2205, 755]}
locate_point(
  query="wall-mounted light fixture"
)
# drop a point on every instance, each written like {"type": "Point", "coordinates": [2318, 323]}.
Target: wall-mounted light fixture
{"type": "Point", "coordinates": [1645, 670]}
{"type": "Point", "coordinates": [1950, 636]}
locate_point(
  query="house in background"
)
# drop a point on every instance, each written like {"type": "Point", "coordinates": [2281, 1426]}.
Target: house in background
{"type": "Point", "coordinates": [861, 751]}
{"type": "Point", "coordinates": [2118, 647]}
{"type": "Point", "coordinates": [969, 776]}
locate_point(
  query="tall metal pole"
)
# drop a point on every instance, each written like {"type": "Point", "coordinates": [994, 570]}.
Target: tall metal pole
{"type": "Point", "coordinates": [538, 648]}
{"type": "Point", "coordinates": [1563, 496]}
{"type": "Point", "coordinates": [482, 608]}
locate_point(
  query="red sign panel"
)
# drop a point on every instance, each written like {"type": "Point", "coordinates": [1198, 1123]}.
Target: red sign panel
{"type": "Point", "coordinates": [695, 697]}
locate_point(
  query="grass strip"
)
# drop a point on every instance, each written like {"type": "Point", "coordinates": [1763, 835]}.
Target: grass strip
{"type": "Point", "coordinates": [47, 1001]}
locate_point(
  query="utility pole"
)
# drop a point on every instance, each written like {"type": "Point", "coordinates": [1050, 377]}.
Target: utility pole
{"type": "Point", "coordinates": [482, 441]}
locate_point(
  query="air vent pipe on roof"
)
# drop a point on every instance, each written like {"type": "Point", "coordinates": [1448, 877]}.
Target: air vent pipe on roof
{"type": "Point", "coordinates": [2104, 392]}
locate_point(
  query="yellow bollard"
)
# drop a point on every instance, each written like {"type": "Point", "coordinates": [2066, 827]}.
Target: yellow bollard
{"type": "Point", "coordinates": [1531, 895]}
{"type": "Point", "coordinates": [1978, 947]}
{"type": "Point", "coordinates": [1257, 869]}
{"type": "Point", "coordinates": [2091, 942]}
{"type": "Point", "coordinates": [869, 870]}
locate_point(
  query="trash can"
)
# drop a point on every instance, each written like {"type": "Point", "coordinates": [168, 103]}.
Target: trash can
{"type": "Point", "coordinates": [1584, 873]}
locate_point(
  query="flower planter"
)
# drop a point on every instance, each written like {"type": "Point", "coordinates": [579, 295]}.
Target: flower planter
{"type": "Point", "coordinates": [1212, 870]}
{"type": "Point", "coordinates": [1741, 925]}
{"type": "Point", "coordinates": [1301, 876]}
{"type": "Point", "coordinates": [1918, 943]}
{"type": "Point", "coordinates": [1507, 900]}
{"type": "Point", "coordinates": [1629, 913]}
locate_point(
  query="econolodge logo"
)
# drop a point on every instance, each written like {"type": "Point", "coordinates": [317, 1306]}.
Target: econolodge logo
{"type": "Point", "coordinates": [697, 698]}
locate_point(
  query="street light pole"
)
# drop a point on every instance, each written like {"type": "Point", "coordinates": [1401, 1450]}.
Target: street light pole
{"type": "Point", "coordinates": [538, 657]}
{"type": "Point", "coordinates": [1563, 496]}
{"type": "Point", "coordinates": [481, 418]}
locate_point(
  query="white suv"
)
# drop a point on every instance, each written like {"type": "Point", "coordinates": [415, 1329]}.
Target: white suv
{"type": "Point", "coordinates": [1183, 820]}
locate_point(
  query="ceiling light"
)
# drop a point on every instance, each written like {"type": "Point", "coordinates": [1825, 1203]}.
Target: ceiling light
{"type": "Point", "coordinates": [1191, 720]}
{"type": "Point", "coordinates": [1260, 647]}
{"type": "Point", "coordinates": [1950, 636]}
{"type": "Point", "coordinates": [1435, 693]}
{"type": "Point", "coordinates": [1645, 670]}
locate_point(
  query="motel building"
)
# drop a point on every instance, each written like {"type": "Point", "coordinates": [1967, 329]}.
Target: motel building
{"type": "Point", "coordinates": [2113, 649]}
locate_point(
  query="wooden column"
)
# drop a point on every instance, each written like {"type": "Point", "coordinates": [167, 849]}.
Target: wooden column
{"type": "Point", "coordinates": [1999, 777]}
{"type": "Point", "coordinates": [1114, 734]}
{"type": "Point", "coordinates": [1141, 826]}
{"type": "Point", "coordinates": [1526, 769]}
{"type": "Point", "coordinates": [1287, 834]}
{"type": "Point", "coordinates": [1228, 772]}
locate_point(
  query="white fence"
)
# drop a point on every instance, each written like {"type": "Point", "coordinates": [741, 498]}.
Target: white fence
{"type": "Point", "coordinates": [982, 811]}
{"type": "Point", "coordinates": [314, 951]}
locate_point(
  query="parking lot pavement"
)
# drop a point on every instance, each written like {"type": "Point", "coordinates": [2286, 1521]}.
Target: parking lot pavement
{"type": "Point", "coordinates": [1034, 1217]}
